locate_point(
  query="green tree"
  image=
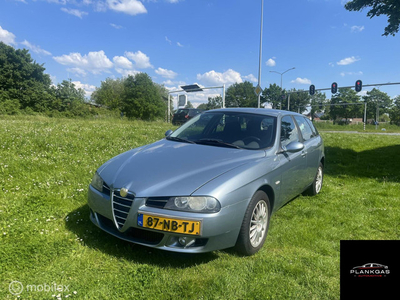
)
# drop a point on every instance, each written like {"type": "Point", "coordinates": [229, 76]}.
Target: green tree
{"type": "Point", "coordinates": [273, 95]}
{"type": "Point", "coordinates": [213, 103]}
{"type": "Point", "coordinates": [109, 93]}
{"type": "Point", "coordinates": [68, 96]}
{"type": "Point", "coordinates": [376, 98]}
{"type": "Point", "coordinates": [141, 98]}
{"type": "Point", "coordinates": [318, 103]}
{"type": "Point", "coordinates": [189, 105]}
{"type": "Point", "coordinates": [299, 100]}
{"type": "Point", "coordinates": [23, 81]}
{"type": "Point", "coordinates": [241, 95]}
{"type": "Point", "coordinates": [394, 112]}
{"type": "Point", "coordinates": [390, 8]}
{"type": "Point", "coordinates": [345, 96]}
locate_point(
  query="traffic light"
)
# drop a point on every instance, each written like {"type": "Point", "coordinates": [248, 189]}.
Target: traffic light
{"type": "Point", "coordinates": [312, 89]}
{"type": "Point", "coordinates": [334, 88]}
{"type": "Point", "coordinates": [358, 86]}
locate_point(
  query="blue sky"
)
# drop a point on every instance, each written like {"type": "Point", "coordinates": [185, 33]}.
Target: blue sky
{"type": "Point", "coordinates": [209, 42]}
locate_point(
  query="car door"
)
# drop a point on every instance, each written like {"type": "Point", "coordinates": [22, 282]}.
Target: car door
{"type": "Point", "coordinates": [293, 166]}
{"type": "Point", "coordinates": [312, 143]}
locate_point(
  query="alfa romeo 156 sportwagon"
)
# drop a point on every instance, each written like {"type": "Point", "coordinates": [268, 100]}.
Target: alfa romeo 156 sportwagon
{"type": "Point", "coordinates": [211, 184]}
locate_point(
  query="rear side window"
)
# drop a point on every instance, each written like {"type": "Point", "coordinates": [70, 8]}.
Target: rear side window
{"type": "Point", "coordinates": [314, 130]}
{"type": "Point", "coordinates": [289, 131]}
{"type": "Point", "coordinates": [305, 128]}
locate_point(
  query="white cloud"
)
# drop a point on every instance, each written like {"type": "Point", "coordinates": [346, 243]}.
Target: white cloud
{"type": "Point", "coordinates": [299, 80]}
{"type": "Point", "coordinates": [351, 73]}
{"type": "Point", "coordinates": [215, 78]}
{"type": "Point", "coordinates": [130, 7]}
{"type": "Point", "coordinates": [271, 62]}
{"type": "Point", "coordinates": [122, 62]}
{"type": "Point", "coordinates": [35, 48]}
{"type": "Point", "coordinates": [348, 61]}
{"type": "Point", "coordinates": [332, 64]}
{"type": "Point", "coordinates": [7, 37]}
{"type": "Point", "coordinates": [168, 74]}
{"type": "Point", "coordinates": [250, 78]}
{"type": "Point", "coordinates": [126, 72]}
{"type": "Point", "coordinates": [142, 61]}
{"type": "Point", "coordinates": [94, 62]}
{"type": "Point", "coordinates": [171, 83]}
{"type": "Point", "coordinates": [77, 71]}
{"type": "Point", "coordinates": [75, 12]}
{"type": "Point", "coordinates": [179, 44]}
{"type": "Point", "coordinates": [168, 40]}
{"type": "Point", "coordinates": [356, 28]}
{"type": "Point", "coordinates": [88, 88]}
{"type": "Point", "coordinates": [116, 26]}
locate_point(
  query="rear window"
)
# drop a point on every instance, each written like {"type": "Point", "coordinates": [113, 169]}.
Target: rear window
{"type": "Point", "coordinates": [182, 112]}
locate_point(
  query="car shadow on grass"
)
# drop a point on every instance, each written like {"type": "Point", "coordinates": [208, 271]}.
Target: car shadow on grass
{"type": "Point", "coordinates": [79, 223]}
{"type": "Point", "coordinates": [379, 163]}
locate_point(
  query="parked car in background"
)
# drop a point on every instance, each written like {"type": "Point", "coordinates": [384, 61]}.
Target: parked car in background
{"type": "Point", "coordinates": [211, 184]}
{"type": "Point", "coordinates": [183, 115]}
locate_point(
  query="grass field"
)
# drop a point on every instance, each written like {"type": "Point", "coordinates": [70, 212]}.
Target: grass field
{"type": "Point", "coordinates": [48, 241]}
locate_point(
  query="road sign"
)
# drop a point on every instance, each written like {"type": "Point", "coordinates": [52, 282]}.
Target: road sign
{"type": "Point", "coordinates": [258, 90]}
{"type": "Point", "coordinates": [182, 100]}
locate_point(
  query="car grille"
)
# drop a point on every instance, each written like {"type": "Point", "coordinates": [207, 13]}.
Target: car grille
{"type": "Point", "coordinates": [121, 207]}
{"type": "Point", "coordinates": [106, 189]}
{"type": "Point", "coordinates": [132, 234]}
{"type": "Point", "coordinates": [157, 202]}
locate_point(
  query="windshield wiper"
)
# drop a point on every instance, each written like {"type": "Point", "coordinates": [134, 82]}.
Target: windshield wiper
{"type": "Point", "coordinates": [177, 139]}
{"type": "Point", "coordinates": [217, 143]}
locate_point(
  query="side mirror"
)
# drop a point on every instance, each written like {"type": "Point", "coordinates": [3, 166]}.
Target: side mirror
{"type": "Point", "coordinates": [168, 132]}
{"type": "Point", "coordinates": [294, 147]}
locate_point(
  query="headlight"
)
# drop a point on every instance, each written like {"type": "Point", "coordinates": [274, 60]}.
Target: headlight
{"type": "Point", "coordinates": [97, 182]}
{"type": "Point", "coordinates": [194, 204]}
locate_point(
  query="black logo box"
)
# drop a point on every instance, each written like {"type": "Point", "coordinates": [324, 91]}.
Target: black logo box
{"type": "Point", "coordinates": [355, 253]}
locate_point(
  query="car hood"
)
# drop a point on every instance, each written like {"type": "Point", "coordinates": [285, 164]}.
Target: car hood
{"type": "Point", "coordinates": [168, 168]}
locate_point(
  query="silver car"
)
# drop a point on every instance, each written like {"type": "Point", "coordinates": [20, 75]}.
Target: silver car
{"type": "Point", "coordinates": [211, 184]}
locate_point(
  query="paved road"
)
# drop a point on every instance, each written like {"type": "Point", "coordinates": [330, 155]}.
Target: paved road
{"type": "Point", "coordinates": [381, 133]}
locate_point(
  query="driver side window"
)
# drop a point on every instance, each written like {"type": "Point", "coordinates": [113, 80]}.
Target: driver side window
{"type": "Point", "coordinates": [289, 131]}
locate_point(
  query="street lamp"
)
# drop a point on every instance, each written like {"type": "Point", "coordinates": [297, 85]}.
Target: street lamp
{"type": "Point", "coordinates": [281, 80]}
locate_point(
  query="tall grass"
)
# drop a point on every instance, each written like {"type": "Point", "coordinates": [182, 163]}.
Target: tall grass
{"type": "Point", "coordinates": [46, 237]}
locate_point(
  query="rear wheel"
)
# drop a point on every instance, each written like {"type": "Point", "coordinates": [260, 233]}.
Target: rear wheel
{"type": "Point", "coordinates": [255, 225]}
{"type": "Point", "coordinates": [316, 186]}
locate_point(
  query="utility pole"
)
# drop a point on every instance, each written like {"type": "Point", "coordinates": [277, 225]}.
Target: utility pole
{"type": "Point", "coordinates": [259, 61]}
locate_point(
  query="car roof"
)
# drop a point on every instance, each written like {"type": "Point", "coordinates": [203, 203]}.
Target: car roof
{"type": "Point", "coordinates": [259, 111]}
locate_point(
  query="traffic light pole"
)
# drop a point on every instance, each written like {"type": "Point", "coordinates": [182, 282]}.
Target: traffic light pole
{"type": "Point", "coordinates": [364, 85]}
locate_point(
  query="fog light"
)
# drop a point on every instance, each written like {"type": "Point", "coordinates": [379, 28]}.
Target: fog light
{"type": "Point", "coordinates": [186, 242]}
{"type": "Point", "coordinates": [182, 241]}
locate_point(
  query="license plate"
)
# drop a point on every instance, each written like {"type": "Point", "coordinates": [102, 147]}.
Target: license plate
{"type": "Point", "coordinates": [169, 224]}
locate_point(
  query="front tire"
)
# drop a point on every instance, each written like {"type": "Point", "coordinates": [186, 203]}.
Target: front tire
{"type": "Point", "coordinates": [255, 225]}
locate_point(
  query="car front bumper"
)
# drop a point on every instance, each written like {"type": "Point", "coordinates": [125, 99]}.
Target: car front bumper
{"type": "Point", "coordinates": [218, 230]}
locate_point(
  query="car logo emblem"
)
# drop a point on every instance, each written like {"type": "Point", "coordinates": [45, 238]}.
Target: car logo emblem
{"type": "Point", "coordinates": [123, 192]}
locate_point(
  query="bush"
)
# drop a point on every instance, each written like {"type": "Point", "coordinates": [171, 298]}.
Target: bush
{"type": "Point", "coordinates": [9, 107]}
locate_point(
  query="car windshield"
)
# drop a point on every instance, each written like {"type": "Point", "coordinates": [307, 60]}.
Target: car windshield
{"type": "Point", "coordinates": [228, 129]}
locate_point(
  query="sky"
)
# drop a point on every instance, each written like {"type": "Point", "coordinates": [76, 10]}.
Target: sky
{"type": "Point", "coordinates": [208, 42]}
